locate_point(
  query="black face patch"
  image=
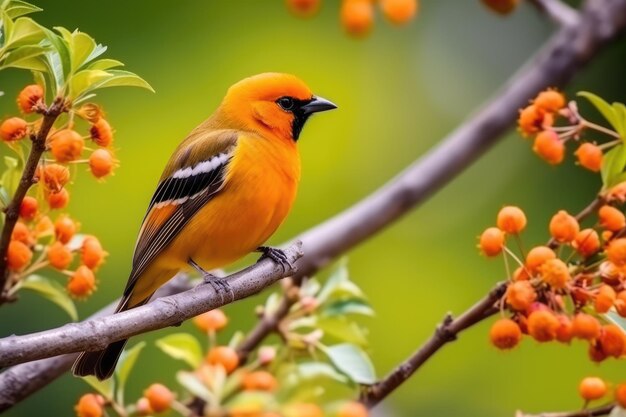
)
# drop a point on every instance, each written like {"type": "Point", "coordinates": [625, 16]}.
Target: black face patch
{"type": "Point", "coordinates": [300, 116]}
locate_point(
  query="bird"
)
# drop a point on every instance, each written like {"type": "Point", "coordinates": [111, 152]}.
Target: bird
{"type": "Point", "coordinates": [224, 191]}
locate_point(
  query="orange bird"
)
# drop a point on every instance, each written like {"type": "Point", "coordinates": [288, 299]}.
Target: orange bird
{"type": "Point", "coordinates": [225, 190]}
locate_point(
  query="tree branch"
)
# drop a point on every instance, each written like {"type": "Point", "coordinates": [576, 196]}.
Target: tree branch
{"type": "Point", "coordinates": [95, 334]}
{"type": "Point", "coordinates": [557, 11]}
{"type": "Point", "coordinates": [12, 211]}
{"type": "Point", "coordinates": [590, 412]}
{"type": "Point", "coordinates": [562, 56]}
{"type": "Point", "coordinates": [446, 332]}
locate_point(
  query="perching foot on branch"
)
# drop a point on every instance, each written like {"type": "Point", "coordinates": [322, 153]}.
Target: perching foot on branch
{"type": "Point", "coordinates": [276, 255]}
{"type": "Point", "coordinates": [219, 284]}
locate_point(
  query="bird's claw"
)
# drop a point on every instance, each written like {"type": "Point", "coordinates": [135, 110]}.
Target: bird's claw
{"type": "Point", "coordinates": [277, 255]}
{"type": "Point", "coordinates": [220, 285]}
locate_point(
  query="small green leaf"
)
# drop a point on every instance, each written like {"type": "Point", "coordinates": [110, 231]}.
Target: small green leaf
{"type": "Point", "coordinates": [319, 370]}
{"type": "Point", "coordinates": [85, 80]}
{"type": "Point", "coordinates": [17, 8]}
{"type": "Point", "coordinates": [342, 329]}
{"type": "Point", "coordinates": [103, 387]}
{"type": "Point", "coordinates": [613, 165]}
{"type": "Point", "coordinates": [620, 115]}
{"type": "Point", "coordinates": [603, 107]}
{"type": "Point", "coordinates": [348, 306]}
{"type": "Point", "coordinates": [105, 64]}
{"type": "Point", "coordinates": [51, 290]}
{"type": "Point", "coordinates": [81, 47]}
{"type": "Point", "coordinates": [11, 175]}
{"type": "Point", "coordinates": [25, 31]}
{"type": "Point", "coordinates": [5, 199]}
{"type": "Point", "coordinates": [191, 383]}
{"type": "Point", "coordinates": [122, 78]}
{"type": "Point", "coordinates": [353, 362]}
{"type": "Point", "coordinates": [26, 57]}
{"type": "Point", "coordinates": [125, 366]}
{"type": "Point", "coordinates": [182, 346]}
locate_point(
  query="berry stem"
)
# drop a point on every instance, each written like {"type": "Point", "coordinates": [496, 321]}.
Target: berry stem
{"type": "Point", "coordinates": [602, 129]}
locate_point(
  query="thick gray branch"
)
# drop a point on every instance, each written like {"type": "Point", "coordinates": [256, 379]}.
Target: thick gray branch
{"type": "Point", "coordinates": [562, 56]}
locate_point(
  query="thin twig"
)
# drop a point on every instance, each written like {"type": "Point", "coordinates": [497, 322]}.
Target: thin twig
{"type": "Point", "coordinates": [589, 412]}
{"type": "Point", "coordinates": [12, 211]}
{"type": "Point", "coordinates": [557, 11]}
{"type": "Point", "coordinates": [446, 332]}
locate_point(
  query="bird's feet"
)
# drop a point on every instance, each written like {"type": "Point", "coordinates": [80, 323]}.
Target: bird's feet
{"type": "Point", "coordinates": [277, 255]}
{"type": "Point", "coordinates": [219, 284]}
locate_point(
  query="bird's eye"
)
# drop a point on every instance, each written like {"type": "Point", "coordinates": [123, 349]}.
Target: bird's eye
{"type": "Point", "coordinates": [287, 103]}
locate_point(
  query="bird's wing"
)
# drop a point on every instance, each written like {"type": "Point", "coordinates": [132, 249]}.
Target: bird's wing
{"type": "Point", "coordinates": [191, 179]}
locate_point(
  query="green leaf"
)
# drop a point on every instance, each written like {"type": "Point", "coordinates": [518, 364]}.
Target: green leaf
{"type": "Point", "coordinates": [319, 370]}
{"type": "Point", "coordinates": [103, 387]}
{"type": "Point", "coordinates": [191, 383]}
{"type": "Point", "coordinates": [125, 366]}
{"type": "Point", "coordinates": [620, 115]}
{"type": "Point", "coordinates": [604, 108]}
{"type": "Point", "coordinates": [348, 306]}
{"type": "Point", "coordinates": [122, 78]}
{"type": "Point", "coordinates": [58, 59]}
{"type": "Point", "coordinates": [81, 47]}
{"type": "Point", "coordinates": [11, 175]}
{"type": "Point", "coordinates": [252, 402]}
{"type": "Point", "coordinates": [353, 362]}
{"type": "Point", "coordinates": [25, 31]}
{"type": "Point", "coordinates": [7, 27]}
{"type": "Point", "coordinates": [105, 64]}
{"type": "Point", "coordinates": [5, 199]}
{"type": "Point", "coordinates": [51, 290]}
{"type": "Point", "coordinates": [613, 165]}
{"type": "Point", "coordinates": [85, 80]}
{"type": "Point", "coordinates": [26, 57]}
{"type": "Point", "coordinates": [17, 8]}
{"type": "Point", "coordinates": [339, 284]}
{"type": "Point", "coordinates": [182, 346]}
{"type": "Point", "coordinates": [342, 329]}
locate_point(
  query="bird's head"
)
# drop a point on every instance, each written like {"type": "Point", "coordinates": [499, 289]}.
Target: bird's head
{"type": "Point", "coordinates": [273, 103]}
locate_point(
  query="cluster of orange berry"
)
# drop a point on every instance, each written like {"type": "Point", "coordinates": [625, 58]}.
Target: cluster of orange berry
{"type": "Point", "coordinates": [357, 16]}
{"type": "Point", "coordinates": [538, 120]}
{"type": "Point", "coordinates": [550, 298]}
{"type": "Point", "coordinates": [593, 388]}
{"type": "Point", "coordinates": [223, 376]}
{"type": "Point", "coordinates": [35, 231]}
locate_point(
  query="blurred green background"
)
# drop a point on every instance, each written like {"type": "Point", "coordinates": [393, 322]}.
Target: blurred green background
{"type": "Point", "coordinates": [399, 92]}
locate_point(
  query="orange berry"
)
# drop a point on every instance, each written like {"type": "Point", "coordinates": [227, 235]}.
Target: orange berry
{"type": "Point", "coordinates": [66, 145]}
{"type": "Point", "coordinates": [22, 234]}
{"type": "Point", "coordinates": [101, 163]}
{"type": "Point", "coordinates": [564, 227]}
{"type": "Point", "coordinates": [303, 8]}
{"type": "Point", "coordinates": [531, 120]}
{"type": "Point", "coordinates": [586, 327]}
{"type": "Point", "coordinates": [505, 334]}
{"type": "Point", "coordinates": [595, 352]}
{"type": "Point", "coordinates": [592, 388]}
{"type": "Point", "coordinates": [511, 219]}
{"type": "Point", "coordinates": [520, 274]}
{"type": "Point", "coordinates": [399, 12]}
{"type": "Point", "coordinates": [549, 101]}
{"type": "Point", "coordinates": [28, 208]}
{"type": "Point", "coordinates": [542, 325]}
{"type": "Point", "coordinates": [82, 282]}
{"type": "Point", "coordinates": [54, 176]}
{"type": "Point", "coordinates": [618, 192]}
{"type": "Point", "coordinates": [101, 133]}
{"type": "Point", "coordinates": [611, 218]}
{"type": "Point", "coordinates": [537, 256]}
{"type": "Point", "coordinates": [620, 303]}
{"type": "Point", "coordinates": [259, 381]}
{"type": "Point", "coordinates": [303, 410]}
{"type": "Point", "coordinates": [59, 256]}
{"type": "Point", "coordinates": [357, 16]}
{"type": "Point", "coordinates": [613, 340]}
{"type": "Point", "coordinates": [564, 331]}
{"type": "Point", "coordinates": [605, 299]}
{"type": "Point", "coordinates": [589, 156]}
{"type": "Point", "coordinates": [620, 395]}
{"type": "Point", "coordinates": [18, 255]}
{"type": "Point", "coordinates": [90, 112]}
{"type": "Point", "coordinates": [491, 241]}
{"type": "Point", "coordinates": [555, 273]}
{"type": "Point", "coordinates": [159, 396]}
{"type": "Point", "coordinates": [89, 405]}
{"type": "Point", "coordinates": [520, 295]}
{"type": "Point", "coordinates": [64, 229]}
{"type": "Point", "coordinates": [502, 7]}
{"type": "Point", "coordinates": [143, 407]}
{"type": "Point", "coordinates": [13, 129]}
{"type": "Point", "coordinates": [58, 200]}
{"type": "Point", "coordinates": [616, 251]}
{"type": "Point", "coordinates": [44, 227]}
{"type": "Point", "coordinates": [214, 320]}
{"type": "Point", "coordinates": [549, 147]}
{"type": "Point", "coordinates": [225, 356]}
{"type": "Point", "coordinates": [92, 254]}
{"type": "Point", "coordinates": [352, 409]}
{"type": "Point", "coordinates": [587, 242]}
{"type": "Point", "coordinates": [29, 97]}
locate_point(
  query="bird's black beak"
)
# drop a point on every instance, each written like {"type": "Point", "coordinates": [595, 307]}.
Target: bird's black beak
{"type": "Point", "coordinates": [317, 104]}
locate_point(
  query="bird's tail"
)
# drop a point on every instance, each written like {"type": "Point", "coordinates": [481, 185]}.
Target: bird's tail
{"type": "Point", "coordinates": [102, 363]}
